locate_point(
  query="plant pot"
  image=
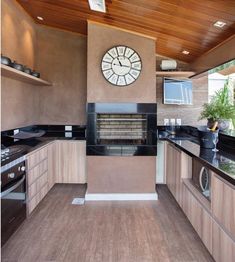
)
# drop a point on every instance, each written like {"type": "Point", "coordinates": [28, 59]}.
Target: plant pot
{"type": "Point", "coordinates": [211, 123]}
{"type": "Point", "coordinates": [223, 124]}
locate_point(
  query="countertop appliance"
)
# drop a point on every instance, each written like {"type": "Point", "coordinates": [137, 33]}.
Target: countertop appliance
{"type": "Point", "coordinates": [201, 178]}
{"type": "Point", "coordinates": [13, 190]}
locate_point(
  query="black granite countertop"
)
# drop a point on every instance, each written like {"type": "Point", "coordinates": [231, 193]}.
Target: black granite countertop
{"type": "Point", "coordinates": [222, 163]}
{"type": "Point", "coordinates": [51, 133]}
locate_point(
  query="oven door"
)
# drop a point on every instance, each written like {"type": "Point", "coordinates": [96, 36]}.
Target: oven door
{"type": "Point", "coordinates": [13, 208]}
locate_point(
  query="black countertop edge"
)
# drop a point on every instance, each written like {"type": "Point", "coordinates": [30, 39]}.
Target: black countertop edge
{"type": "Point", "coordinates": [47, 128]}
{"type": "Point", "coordinates": [193, 130]}
{"type": "Point", "coordinates": [121, 150]}
{"type": "Point", "coordinates": [218, 171]}
{"type": "Point", "coordinates": [35, 143]}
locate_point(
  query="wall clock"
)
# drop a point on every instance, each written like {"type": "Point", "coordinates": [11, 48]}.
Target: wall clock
{"type": "Point", "coordinates": [121, 65]}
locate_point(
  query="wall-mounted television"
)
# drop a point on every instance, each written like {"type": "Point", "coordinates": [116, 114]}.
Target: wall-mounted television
{"type": "Point", "coordinates": [177, 91]}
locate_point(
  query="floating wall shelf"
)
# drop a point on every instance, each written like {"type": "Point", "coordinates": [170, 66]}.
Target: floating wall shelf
{"type": "Point", "coordinates": [13, 73]}
{"type": "Point", "coordinates": [174, 73]}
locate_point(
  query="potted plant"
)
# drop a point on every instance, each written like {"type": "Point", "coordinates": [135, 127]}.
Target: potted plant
{"type": "Point", "coordinates": [220, 109]}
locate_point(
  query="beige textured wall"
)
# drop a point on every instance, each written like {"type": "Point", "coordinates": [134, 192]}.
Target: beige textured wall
{"type": "Point", "coordinates": [19, 101]}
{"type": "Point", "coordinates": [61, 58]}
{"type": "Point", "coordinates": [100, 39]}
{"type": "Point", "coordinates": [188, 114]}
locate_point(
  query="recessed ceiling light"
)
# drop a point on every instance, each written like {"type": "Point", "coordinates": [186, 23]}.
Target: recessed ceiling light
{"type": "Point", "coordinates": [219, 24]}
{"type": "Point", "coordinates": [185, 52]}
{"type": "Point", "coordinates": [97, 5]}
{"type": "Point", "coordinates": [40, 18]}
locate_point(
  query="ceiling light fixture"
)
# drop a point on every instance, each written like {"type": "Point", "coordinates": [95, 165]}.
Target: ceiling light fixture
{"type": "Point", "coordinates": [219, 24]}
{"type": "Point", "coordinates": [97, 5]}
{"type": "Point", "coordinates": [185, 52]}
{"type": "Point", "coordinates": [40, 18]}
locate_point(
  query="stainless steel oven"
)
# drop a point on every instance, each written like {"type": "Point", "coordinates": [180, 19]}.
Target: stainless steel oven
{"type": "Point", "coordinates": [13, 199]}
{"type": "Point", "coordinates": [201, 178]}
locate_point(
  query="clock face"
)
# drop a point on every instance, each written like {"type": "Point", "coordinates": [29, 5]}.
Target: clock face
{"type": "Point", "coordinates": [121, 65]}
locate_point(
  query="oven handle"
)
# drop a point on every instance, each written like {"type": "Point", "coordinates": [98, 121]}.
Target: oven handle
{"type": "Point", "coordinates": [9, 190]}
{"type": "Point", "coordinates": [200, 179]}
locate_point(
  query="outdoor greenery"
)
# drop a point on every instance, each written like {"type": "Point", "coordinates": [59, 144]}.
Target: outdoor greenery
{"type": "Point", "coordinates": [221, 67]}
{"type": "Point", "coordinates": [220, 107]}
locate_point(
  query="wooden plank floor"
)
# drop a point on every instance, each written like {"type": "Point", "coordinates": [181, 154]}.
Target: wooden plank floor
{"type": "Point", "coordinates": [105, 231]}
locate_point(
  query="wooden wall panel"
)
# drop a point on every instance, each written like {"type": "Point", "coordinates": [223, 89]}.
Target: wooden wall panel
{"type": "Point", "coordinates": [177, 25]}
{"type": "Point", "coordinates": [189, 114]}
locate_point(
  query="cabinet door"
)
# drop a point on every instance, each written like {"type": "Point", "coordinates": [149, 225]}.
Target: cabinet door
{"type": "Point", "coordinates": [199, 218]}
{"type": "Point", "coordinates": [184, 170]}
{"type": "Point", "coordinates": [52, 163]}
{"type": "Point", "coordinates": [170, 169]}
{"type": "Point", "coordinates": [177, 174]}
{"type": "Point", "coordinates": [223, 249]}
{"type": "Point", "coordinates": [72, 162]}
{"type": "Point", "coordinates": [223, 204]}
{"type": "Point", "coordinates": [173, 171]}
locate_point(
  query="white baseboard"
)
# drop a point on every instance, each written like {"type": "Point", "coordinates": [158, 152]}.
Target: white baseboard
{"type": "Point", "coordinates": [121, 197]}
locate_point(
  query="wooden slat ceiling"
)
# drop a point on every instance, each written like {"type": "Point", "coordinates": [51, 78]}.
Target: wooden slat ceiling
{"type": "Point", "coordinates": [177, 24]}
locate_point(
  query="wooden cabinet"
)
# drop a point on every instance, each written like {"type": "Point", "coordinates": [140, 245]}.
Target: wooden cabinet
{"type": "Point", "coordinates": [198, 216]}
{"type": "Point", "coordinates": [57, 162]}
{"type": "Point", "coordinates": [172, 168]}
{"type": "Point", "coordinates": [223, 249]}
{"type": "Point", "coordinates": [178, 166]}
{"type": "Point", "coordinates": [52, 163]}
{"type": "Point", "coordinates": [214, 222]}
{"type": "Point", "coordinates": [223, 204]}
{"type": "Point", "coordinates": [37, 177]}
{"type": "Point", "coordinates": [71, 162]}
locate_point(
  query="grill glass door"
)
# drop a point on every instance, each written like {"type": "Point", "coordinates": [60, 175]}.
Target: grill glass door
{"type": "Point", "coordinates": [121, 129]}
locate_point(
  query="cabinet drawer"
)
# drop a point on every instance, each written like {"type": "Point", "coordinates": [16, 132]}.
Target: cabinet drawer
{"type": "Point", "coordinates": [34, 173]}
{"type": "Point", "coordinates": [223, 204]}
{"type": "Point", "coordinates": [37, 185]}
{"type": "Point", "coordinates": [36, 157]}
{"type": "Point", "coordinates": [32, 203]}
{"type": "Point", "coordinates": [200, 219]}
{"type": "Point", "coordinates": [223, 249]}
{"type": "Point", "coordinates": [38, 191]}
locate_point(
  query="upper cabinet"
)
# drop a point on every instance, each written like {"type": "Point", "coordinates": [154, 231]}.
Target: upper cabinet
{"type": "Point", "coordinates": [21, 76]}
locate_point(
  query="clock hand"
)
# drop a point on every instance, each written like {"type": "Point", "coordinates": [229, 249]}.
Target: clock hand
{"type": "Point", "coordinates": [122, 65]}
{"type": "Point", "coordinates": [119, 61]}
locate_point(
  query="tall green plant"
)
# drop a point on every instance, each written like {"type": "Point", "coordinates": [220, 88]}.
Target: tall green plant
{"type": "Point", "coordinates": [220, 107]}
